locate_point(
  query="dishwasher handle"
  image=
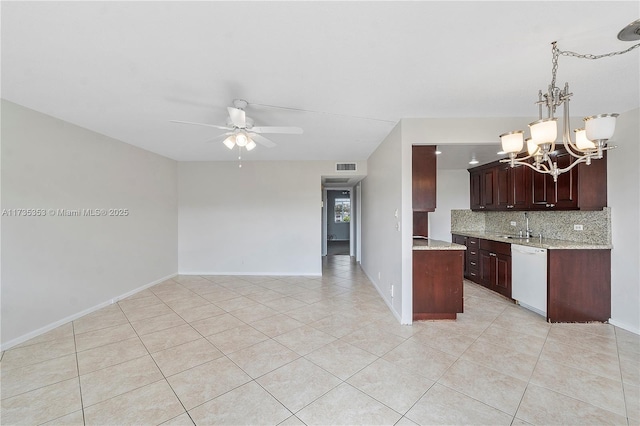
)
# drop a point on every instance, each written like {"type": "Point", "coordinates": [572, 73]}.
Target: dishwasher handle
{"type": "Point", "coordinates": [527, 250]}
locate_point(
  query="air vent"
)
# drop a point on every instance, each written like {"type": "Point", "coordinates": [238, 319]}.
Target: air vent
{"type": "Point", "coordinates": [345, 167]}
{"type": "Point", "coordinates": [336, 180]}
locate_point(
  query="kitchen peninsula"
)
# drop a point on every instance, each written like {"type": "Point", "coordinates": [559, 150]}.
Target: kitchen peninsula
{"type": "Point", "coordinates": [438, 268]}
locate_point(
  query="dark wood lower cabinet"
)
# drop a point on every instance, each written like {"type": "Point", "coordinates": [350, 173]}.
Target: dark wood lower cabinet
{"type": "Point", "coordinates": [578, 281]}
{"type": "Point", "coordinates": [579, 285]}
{"type": "Point", "coordinates": [437, 284]}
{"type": "Point", "coordinates": [495, 266]}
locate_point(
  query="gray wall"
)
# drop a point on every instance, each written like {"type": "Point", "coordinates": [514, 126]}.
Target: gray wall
{"type": "Point", "coordinates": [54, 268]}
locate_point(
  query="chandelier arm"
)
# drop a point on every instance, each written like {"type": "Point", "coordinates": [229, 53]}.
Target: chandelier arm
{"type": "Point", "coordinates": [572, 165]}
{"type": "Point", "coordinates": [542, 169]}
{"type": "Point", "coordinates": [570, 145]}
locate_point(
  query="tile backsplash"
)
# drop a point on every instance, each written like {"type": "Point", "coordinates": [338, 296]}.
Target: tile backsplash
{"type": "Point", "coordinates": [553, 224]}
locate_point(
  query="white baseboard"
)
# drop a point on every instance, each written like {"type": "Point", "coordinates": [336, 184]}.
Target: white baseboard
{"type": "Point", "coordinates": [389, 305]}
{"type": "Point", "coordinates": [56, 324]}
{"type": "Point", "coordinates": [624, 326]}
{"type": "Point", "coordinates": [264, 274]}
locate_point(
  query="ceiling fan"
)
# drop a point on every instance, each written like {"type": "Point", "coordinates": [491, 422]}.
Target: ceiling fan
{"type": "Point", "coordinates": [241, 131]}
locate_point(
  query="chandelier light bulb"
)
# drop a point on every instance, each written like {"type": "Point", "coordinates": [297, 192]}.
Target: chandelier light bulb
{"type": "Point", "coordinates": [582, 142]}
{"type": "Point", "coordinates": [600, 127]}
{"type": "Point", "coordinates": [532, 147]}
{"type": "Point", "coordinates": [512, 141]}
{"type": "Point", "coordinates": [250, 145]}
{"type": "Point", "coordinates": [544, 131]}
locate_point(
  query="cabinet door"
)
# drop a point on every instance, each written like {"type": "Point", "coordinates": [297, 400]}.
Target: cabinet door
{"type": "Point", "coordinates": [503, 275]}
{"type": "Point", "coordinates": [566, 188]}
{"type": "Point", "coordinates": [487, 191]}
{"type": "Point", "coordinates": [519, 184]}
{"type": "Point", "coordinates": [424, 178]}
{"type": "Point", "coordinates": [542, 191]}
{"type": "Point", "coordinates": [486, 264]}
{"type": "Point", "coordinates": [504, 188]}
{"type": "Point", "coordinates": [475, 187]}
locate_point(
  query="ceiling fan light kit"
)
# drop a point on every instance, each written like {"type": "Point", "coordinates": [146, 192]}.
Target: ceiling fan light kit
{"type": "Point", "coordinates": [590, 141]}
{"type": "Point", "coordinates": [243, 134]}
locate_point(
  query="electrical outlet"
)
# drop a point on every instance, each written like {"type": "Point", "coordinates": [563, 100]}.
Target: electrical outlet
{"type": "Point", "coordinates": [391, 289]}
{"type": "Point", "coordinates": [379, 275]}
{"type": "Point", "coordinates": [578, 227]}
{"type": "Point", "coordinates": [513, 223]}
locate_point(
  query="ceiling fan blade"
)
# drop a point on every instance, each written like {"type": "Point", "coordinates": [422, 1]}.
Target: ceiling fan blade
{"type": "Point", "coordinates": [274, 129]}
{"type": "Point", "coordinates": [201, 124]}
{"type": "Point", "coordinates": [262, 140]}
{"type": "Point", "coordinates": [237, 117]}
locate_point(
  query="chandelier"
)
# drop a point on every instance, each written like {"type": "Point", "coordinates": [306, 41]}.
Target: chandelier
{"type": "Point", "coordinates": [589, 142]}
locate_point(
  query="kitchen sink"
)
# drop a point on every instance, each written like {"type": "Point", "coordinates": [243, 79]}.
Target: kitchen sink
{"type": "Point", "coordinates": [513, 237]}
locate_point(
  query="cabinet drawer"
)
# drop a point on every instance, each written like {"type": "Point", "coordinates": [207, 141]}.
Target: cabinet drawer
{"type": "Point", "coordinates": [474, 275]}
{"type": "Point", "coordinates": [496, 247]}
{"type": "Point", "coordinates": [472, 253]}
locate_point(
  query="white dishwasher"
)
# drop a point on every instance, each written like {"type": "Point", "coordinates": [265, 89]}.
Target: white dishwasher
{"type": "Point", "coordinates": [529, 277]}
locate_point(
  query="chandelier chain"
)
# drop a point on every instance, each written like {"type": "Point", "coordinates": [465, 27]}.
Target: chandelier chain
{"type": "Point", "coordinates": [590, 56]}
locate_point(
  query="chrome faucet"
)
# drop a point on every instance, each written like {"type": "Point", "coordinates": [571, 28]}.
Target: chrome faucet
{"type": "Point", "coordinates": [528, 232]}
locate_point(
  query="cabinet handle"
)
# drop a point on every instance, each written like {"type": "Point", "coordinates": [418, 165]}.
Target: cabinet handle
{"type": "Point", "coordinates": [473, 263]}
{"type": "Point", "coordinates": [492, 254]}
{"type": "Point", "coordinates": [472, 253]}
{"type": "Point", "coordinates": [551, 205]}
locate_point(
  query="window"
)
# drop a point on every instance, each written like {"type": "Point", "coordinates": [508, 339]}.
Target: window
{"type": "Point", "coordinates": [343, 210]}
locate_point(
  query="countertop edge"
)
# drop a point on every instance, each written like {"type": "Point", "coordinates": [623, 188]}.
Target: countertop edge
{"type": "Point", "coordinates": [436, 245]}
{"type": "Point", "coordinates": [547, 243]}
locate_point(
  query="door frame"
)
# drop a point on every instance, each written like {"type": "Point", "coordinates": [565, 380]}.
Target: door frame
{"type": "Point", "coordinates": [354, 224]}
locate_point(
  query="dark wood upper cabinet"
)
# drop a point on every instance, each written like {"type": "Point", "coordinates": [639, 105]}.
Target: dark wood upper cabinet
{"type": "Point", "coordinates": [475, 190]}
{"type": "Point", "coordinates": [519, 188]}
{"type": "Point", "coordinates": [482, 191]}
{"type": "Point", "coordinates": [424, 178]}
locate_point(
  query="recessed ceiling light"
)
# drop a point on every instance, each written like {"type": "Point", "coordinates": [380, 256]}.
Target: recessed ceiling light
{"type": "Point", "coordinates": [438, 152]}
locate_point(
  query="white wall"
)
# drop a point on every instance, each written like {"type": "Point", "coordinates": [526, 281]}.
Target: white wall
{"type": "Point", "coordinates": [54, 268]}
{"type": "Point", "coordinates": [623, 190]}
{"type": "Point", "coordinates": [262, 219]}
{"type": "Point", "coordinates": [452, 193]}
{"type": "Point", "coordinates": [381, 241]}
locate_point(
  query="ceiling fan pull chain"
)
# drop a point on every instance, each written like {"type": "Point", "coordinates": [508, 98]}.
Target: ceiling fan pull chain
{"type": "Point", "coordinates": [239, 157]}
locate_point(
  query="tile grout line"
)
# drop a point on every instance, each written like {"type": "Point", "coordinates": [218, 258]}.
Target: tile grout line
{"type": "Point", "coordinates": [624, 394]}
{"type": "Point", "coordinates": [84, 420]}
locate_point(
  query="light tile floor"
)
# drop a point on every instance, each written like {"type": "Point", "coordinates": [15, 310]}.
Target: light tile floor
{"type": "Point", "coordinates": [326, 351]}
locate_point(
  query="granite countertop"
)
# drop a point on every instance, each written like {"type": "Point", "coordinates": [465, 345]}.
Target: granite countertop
{"type": "Point", "coordinates": [430, 244]}
{"type": "Point", "coordinates": [546, 243]}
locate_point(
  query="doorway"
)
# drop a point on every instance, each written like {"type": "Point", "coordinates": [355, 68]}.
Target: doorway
{"type": "Point", "coordinates": [339, 217]}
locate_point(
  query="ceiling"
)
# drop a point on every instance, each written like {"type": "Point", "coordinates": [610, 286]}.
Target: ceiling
{"type": "Point", "coordinates": [346, 72]}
